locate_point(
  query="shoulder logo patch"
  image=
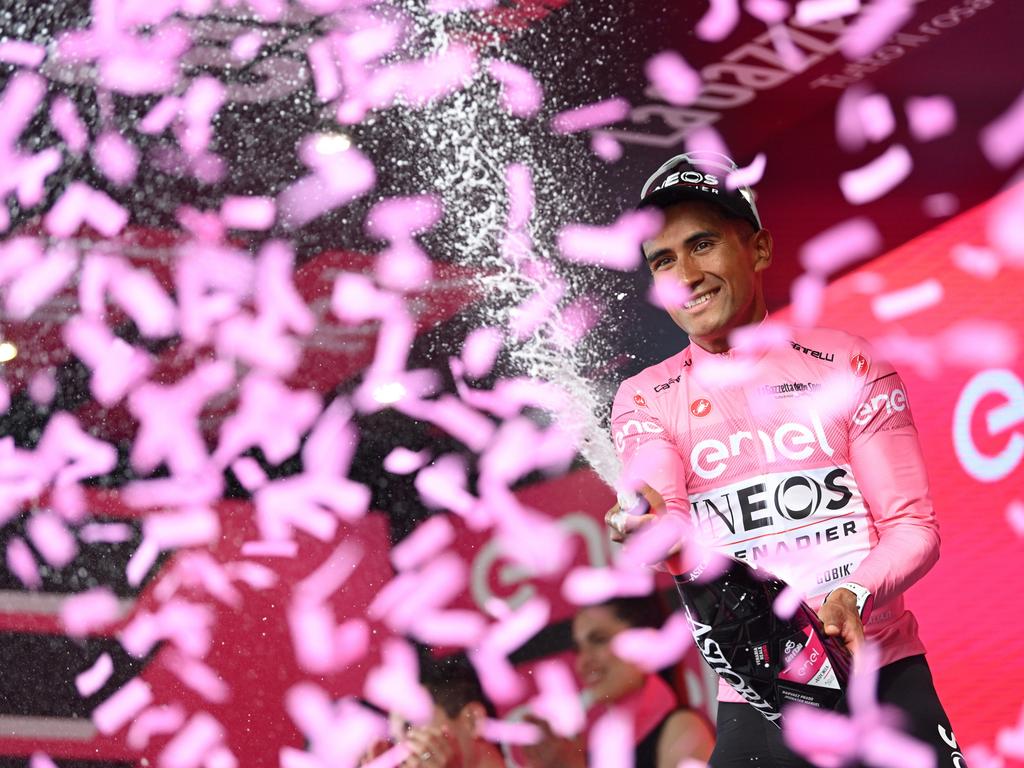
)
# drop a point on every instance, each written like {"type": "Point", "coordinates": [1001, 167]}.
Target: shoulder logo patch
{"type": "Point", "coordinates": [859, 365]}
{"type": "Point", "coordinates": [700, 407]}
{"type": "Point", "coordinates": [639, 400]}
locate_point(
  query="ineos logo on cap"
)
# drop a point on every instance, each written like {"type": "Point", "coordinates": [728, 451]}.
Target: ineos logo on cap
{"type": "Point", "coordinates": [700, 407]}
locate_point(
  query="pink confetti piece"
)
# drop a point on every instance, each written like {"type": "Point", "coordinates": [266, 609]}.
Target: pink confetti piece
{"type": "Point", "coordinates": [326, 78]}
{"type": "Point", "coordinates": [89, 611]}
{"type": "Point", "coordinates": [40, 760]}
{"type": "Point", "coordinates": [116, 158]}
{"type": "Point", "coordinates": [719, 20]}
{"type": "Point", "coordinates": [499, 679]}
{"type": "Point", "coordinates": [518, 626]}
{"type": "Point", "coordinates": [294, 758]}
{"type": "Point", "coordinates": [402, 461]}
{"type": "Point", "coordinates": [426, 542]}
{"type": "Point", "coordinates": [652, 544]}
{"type": "Point", "coordinates": [64, 116]}
{"type": "Point", "coordinates": [811, 12]}
{"type": "Point", "coordinates": [140, 295]}
{"type": "Point", "coordinates": [896, 304]}
{"type": "Point", "coordinates": [117, 367]}
{"type": "Point", "coordinates": [285, 548]}
{"type": "Point", "coordinates": [185, 528]}
{"type": "Point", "coordinates": [331, 575]}
{"type": "Point", "coordinates": [748, 175]}
{"type": "Point", "coordinates": [1015, 516]}
{"type": "Point", "coordinates": [706, 139]}
{"type": "Point", "coordinates": [787, 603]}
{"type": "Point", "coordinates": [249, 473]}
{"type": "Point", "coordinates": [654, 649]}
{"type": "Point", "coordinates": [422, 82]}
{"type": "Point", "coordinates": [200, 104]}
{"type": "Point", "coordinates": [1002, 140]}
{"type": "Point", "coordinates": [521, 95]}
{"type": "Point", "coordinates": [220, 757]}
{"type": "Point", "coordinates": [979, 344]}
{"type": "Point", "coordinates": [617, 246]}
{"type": "Point", "coordinates": [480, 351]}
{"type": "Point", "coordinates": [610, 742]}
{"type": "Point", "coordinates": [351, 642]}
{"type": "Point", "coordinates": [873, 26]}
{"type": "Point", "coordinates": [771, 12]}
{"type": "Point", "coordinates": [24, 93]}
{"type": "Point", "coordinates": [840, 246]}
{"type": "Point", "coordinates": [878, 177]}
{"type": "Point", "coordinates": [930, 117]}
{"type": "Point", "coordinates": [559, 702]}
{"type": "Point", "coordinates": [940, 205]}
{"type": "Point", "coordinates": [676, 81]}
{"type": "Point", "coordinates": [398, 218]}
{"type": "Point", "coordinates": [982, 756]}
{"type": "Point", "coordinates": [22, 563]}
{"type": "Point", "coordinates": [455, 628]}
{"type": "Point", "coordinates": [95, 677]}
{"type": "Point", "coordinates": [245, 47]}
{"type": "Point", "coordinates": [188, 749]}
{"type": "Point", "coordinates": [1010, 741]}
{"type": "Point", "coordinates": [33, 173]}
{"type": "Point", "coordinates": [67, 453]}
{"type": "Point", "coordinates": [606, 147]}
{"type": "Point", "coordinates": [460, 6]}
{"type": "Point", "coordinates": [394, 685]}
{"type": "Point", "coordinates": [5, 397]}
{"type": "Point", "coordinates": [791, 56]}
{"type": "Point", "coordinates": [341, 175]}
{"type": "Point", "coordinates": [509, 732]}
{"type": "Point", "coordinates": [827, 738]}
{"type": "Point", "coordinates": [590, 116]}
{"type": "Point", "coordinates": [312, 629]}
{"type": "Point", "coordinates": [538, 309]}
{"type": "Point", "coordinates": [105, 533]}
{"type": "Point", "coordinates": [589, 586]}
{"type": "Point", "coordinates": [876, 116]}
{"type": "Point", "coordinates": [81, 204]}
{"type": "Point", "coordinates": [443, 485]}
{"type": "Point", "coordinates": [435, 585]}
{"type": "Point", "coordinates": [39, 283]}
{"type": "Point", "coordinates": [975, 260]}
{"type": "Point", "coordinates": [119, 710]}
{"type": "Point", "coordinates": [163, 113]}
{"type": "Point", "coordinates": [22, 53]}
{"type": "Point", "coordinates": [198, 676]}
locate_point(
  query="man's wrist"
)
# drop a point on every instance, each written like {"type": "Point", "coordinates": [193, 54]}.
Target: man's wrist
{"type": "Point", "coordinates": [862, 598]}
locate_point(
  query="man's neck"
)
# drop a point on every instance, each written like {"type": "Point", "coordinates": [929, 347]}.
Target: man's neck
{"type": "Point", "coordinates": [719, 344]}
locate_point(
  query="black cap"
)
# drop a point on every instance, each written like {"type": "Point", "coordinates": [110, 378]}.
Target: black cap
{"type": "Point", "coordinates": [699, 176]}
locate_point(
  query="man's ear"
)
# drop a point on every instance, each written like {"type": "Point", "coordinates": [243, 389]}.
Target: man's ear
{"type": "Point", "coordinates": [762, 250]}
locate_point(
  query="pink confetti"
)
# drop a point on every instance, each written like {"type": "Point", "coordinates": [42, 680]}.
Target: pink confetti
{"type": "Point", "coordinates": [791, 56]}
{"type": "Point", "coordinates": [811, 12]}
{"type": "Point", "coordinates": [517, 627]}
{"type": "Point", "coordinates": [245, 47]}
{"type": "Point", "coordinates": [979, 344]}
{"type": "Point", "coordinates": [22, 53]}
{"type": "Point", "coordinates": [40, 282]}
{"type": "Point", "coordinates": [706, 139]}
{"type": "Point", "coordinates": [443, 485]}
{"type": "Point", "coordinates": [429, 539]}
{"type": "Point", "coordinates": [39, 760]}
{"type": "Point", "coordinates": [1005, 228]}
{"type": "Point", "coordinates": [521, 96]}
{"type": "Point", "coordinates": [105, 533]}
{"type": "Point", "coordinates": [771, 12]}
{"type": "Point", "coordinates": [850, 133]}
{"type": "Point", "coordinates": [5, 397]}
{"type": "Point", "coordinates": [480, 351]}
{"type": "Point", "coordinates": [64, 116]}
{"type": "Point", "coordinates": [19, 101]}
{"type": "Point", "coordinates": [185, 528]}
{"type": "Point", "coordinates": [200, 736]}
{"type": "Point", "coordinates": [896, 304]}
{"type": "Point", "coordinates": [22, 563]}
{"type": "Point", "coordinates": [595, 115]}
{"type": "Point", "coordinates": [610, 742]}
{"type": "Point", "coordinates": [117, 366]}
{"type": "Point", "coordinates": [498, 677]}
{"type": "Point", "coordinates": [341, 175]}
{"type": "Point", "coordinates": [81, 204]}
{"type": "Point", "coordinates": [930, 117]}
{"type": "Point", "coordinates": [1002, 140]}
{"type": "Point", "coordinates": [198, 676]}
{"type": "Point", "coordinates": [827, 738]}
{"type": "Point", "coordinates": [721, 18]}
{"type": "Point", "coordinates": [536, 310]}
{"type": "Point", "coordinates": [840, 246]}
{"type": "Point", "coordinates": [975, 260]}
{"type": "Point", "coordinates": [675, 80]}
{"type": "Point", "coordinates": [116, 158]}
{"type": "Point", "coordinates": [394, 685]}
{"type": "Point", "coordinates": [270, 548]}
{"type": "Point", "coordinates": [249, 473]}
{"type": "Point", "coordinates": [331, 575]}
{"type": "Point", "coordinates": [940, 205]}
{"type": "Point", "coordinates": [873, 27]}
{"type": "Point", "coordinates": [876, 116]}
{"type": "Point", "coordinates": [398, 218]}
{"type": "Point", "coordinates": [559, 702]}
{"type": "Point", "coordinates": [787, 603]}
{"type": "Point", "coordinates": [89, 611]}
{"type": "Point", "coordinates": [42, 387]}
{"type": "Point", "coordinates": [606, 147]}
{"type": "Point", "coordinates": [1015, 516]}
{"type": "Point", "coordinates": [163, 113]}
{"type": "Point", "coordinates": [748, 175]}
{"type": "Point", "coordinates": [326, 79]}
{"type": "Point", "coordinates": [402, 461]}
{"type": "Point", "coordinates": [654, 649]}
{"type": "Point", "coordinates": [312, 631]}
{"type": "Point", "coordinates": [878, 177]}
{"type": "Point", "coordinates": [617, 246]}
{"type": "Point", "coordinates": [141, 296]}
{"type": "Point", "coordinates": [455, 628]}
{"type": "Point", "coordinates": [95, 677]}
{"type": "Point", "coordinates": [589, 586]}
{"type": "Point", "coordinates": [458, 6]}
{"type": "Point", "coordinates": [201, 102]}
{"type": "Point", "coordinates": [509, 732]}
{"type": "Point", "coordinates": [119, 710]}
{"type": "Point", "coordinates": [652, 544]}
{"type": "Point", "coordinates": [438, 583]}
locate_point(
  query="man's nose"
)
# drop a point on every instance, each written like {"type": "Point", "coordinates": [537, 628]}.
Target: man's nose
{"type": "Point", "coordinates": [689, 271]}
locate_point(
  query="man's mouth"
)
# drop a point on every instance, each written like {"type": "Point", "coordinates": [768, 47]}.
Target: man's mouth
{"type": "Point", "coordinates": [700, 299]}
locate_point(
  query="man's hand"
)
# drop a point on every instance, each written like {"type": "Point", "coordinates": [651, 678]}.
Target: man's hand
{"type": "Point", "coordinates": [431, 747]}
{"type": "Point", "coordinates": [840, 617]}
{"type": "Point", "coordinates": [621, 524]}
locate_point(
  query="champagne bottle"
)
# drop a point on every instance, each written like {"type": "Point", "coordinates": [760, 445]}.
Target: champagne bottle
{"type": "Point", "coordinates": [768, 660]}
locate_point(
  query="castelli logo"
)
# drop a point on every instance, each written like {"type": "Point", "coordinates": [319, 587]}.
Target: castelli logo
{"type": "Point", "coordinates": [639, 400]}
{"type": "Point", "coordinates": [700, 407]}
{"type": "Point", "coordinates": [859, 365]}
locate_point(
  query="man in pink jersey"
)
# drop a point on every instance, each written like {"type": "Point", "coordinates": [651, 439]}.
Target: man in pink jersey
{"type": "Point", "coordinates": [790, 449]}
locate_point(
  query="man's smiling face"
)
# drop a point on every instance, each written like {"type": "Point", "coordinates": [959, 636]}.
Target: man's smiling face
{"type": "Point", "coordinates": [719, 261]}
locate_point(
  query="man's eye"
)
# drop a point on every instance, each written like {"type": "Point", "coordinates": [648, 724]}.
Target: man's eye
{"type": "Point", "coordinates": [661, 262]}
{"type": "Point", "coordinates": [702, 245]}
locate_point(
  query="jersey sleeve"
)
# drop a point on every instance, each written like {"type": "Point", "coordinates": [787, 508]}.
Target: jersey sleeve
{"type": "Point", "coordinates": [648, 450]}
{"type": "Point", "coordinates": [887, 462]}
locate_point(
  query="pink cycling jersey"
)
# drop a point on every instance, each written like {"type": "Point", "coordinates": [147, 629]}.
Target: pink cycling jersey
{"type": "Point", "coordinates": [807, 463]}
